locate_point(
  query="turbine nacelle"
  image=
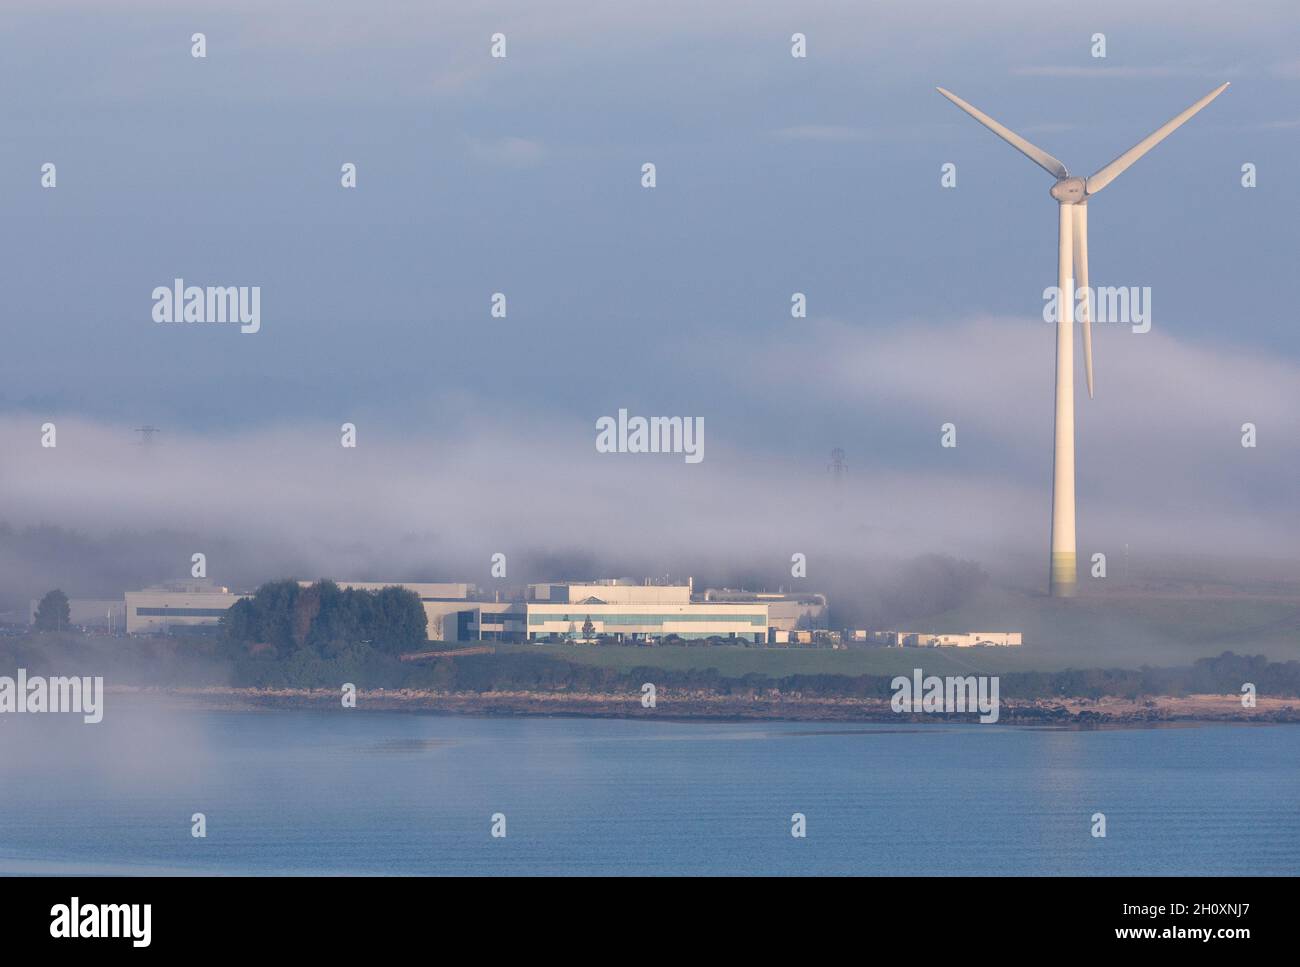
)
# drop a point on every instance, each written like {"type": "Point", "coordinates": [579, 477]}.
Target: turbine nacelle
{"type": "Point", "coordinates": [1070, 191]}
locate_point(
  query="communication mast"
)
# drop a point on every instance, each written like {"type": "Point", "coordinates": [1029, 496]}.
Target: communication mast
{"type": "Point", "coordinates": [838, 467]}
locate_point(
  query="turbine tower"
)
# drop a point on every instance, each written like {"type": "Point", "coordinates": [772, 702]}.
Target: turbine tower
{"type": "Point", "coordinates": [1072, 196]}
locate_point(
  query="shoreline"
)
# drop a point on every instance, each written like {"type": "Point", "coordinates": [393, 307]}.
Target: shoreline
{"type": "Point", "coordinates": [1105, 712]}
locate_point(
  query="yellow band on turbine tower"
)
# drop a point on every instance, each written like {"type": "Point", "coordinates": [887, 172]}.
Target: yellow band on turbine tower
{"type": "Point", "coordinates": [1065, 573]}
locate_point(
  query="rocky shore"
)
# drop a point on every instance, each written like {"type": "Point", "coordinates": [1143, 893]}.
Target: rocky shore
{"type": "Point", "coordinates": [757, 706]}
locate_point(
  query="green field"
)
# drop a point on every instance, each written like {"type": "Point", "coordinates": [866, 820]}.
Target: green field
{"type": "Point", "coordinates": [735, 661]}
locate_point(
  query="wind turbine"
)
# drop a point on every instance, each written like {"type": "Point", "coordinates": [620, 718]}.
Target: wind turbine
{"type": "Point", "coordinates": [1072, 195]}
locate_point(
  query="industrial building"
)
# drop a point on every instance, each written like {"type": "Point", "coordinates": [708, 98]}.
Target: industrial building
{"type": "Point", "coordinates": [921, 639]}
{"type": "Point", "coordinates": [177, 604]}
{"type": "Point", "coordinates": [610, 609]}
{"type": "Point", "coordinates": [629, 612]}
{"type": "Point", "coordinates": [786, 611]}
{"type": "Point", "coordinates": [622, 610]}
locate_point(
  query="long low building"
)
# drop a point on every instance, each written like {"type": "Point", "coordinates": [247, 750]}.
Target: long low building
{"type": "Point", "coordinates": [646, 622]}
{"type": "Point", "coordinates": [786, 611]}
{"type": "Point", "coordinates": [164, 607]}
{"type": "Point", "coordinates": [620, 610]}
{"type": "Point", "coordinates": [627, 611]}
{"type": "Point", "coordinates": [160, 609]}
{"type": "Point", "coordinates": [187, 604]}
{"type": "Point", "coordinates": [923, 639]}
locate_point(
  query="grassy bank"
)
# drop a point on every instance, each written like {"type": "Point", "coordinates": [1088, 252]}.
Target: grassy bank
{"type": "Point", "coordinates": [182, 662]}
{"type": "Point", "coordinates": [738, 661]}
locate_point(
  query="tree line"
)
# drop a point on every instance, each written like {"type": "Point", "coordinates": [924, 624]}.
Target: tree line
{"type": "Point", "coordinates": [1223, 675]}
{"type": "Point", "coordinates": [324, 618]}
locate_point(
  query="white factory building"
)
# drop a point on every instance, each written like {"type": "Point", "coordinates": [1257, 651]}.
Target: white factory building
{"type": "Point", "coordinates": [923, 639]}
{"type": "Point", "coordinates": [632, 612]}
{"type": "Point", "coordinates": [177, 604]}
{"type": "Point", "coordinates": [786, 611]}
{"type": "Point", "coordinates": [572, 611]}
{"type": "Point", "coordinates": [624, 610]}
{"type": "Point", "coordinates": [621, 609]}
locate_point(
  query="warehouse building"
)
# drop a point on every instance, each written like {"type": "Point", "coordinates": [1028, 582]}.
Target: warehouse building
{"type": "Point", "coordinates": [186, 604]}
{"type": "Point", "coordinates": [786, 611]}
{"type": "Point", "coordinates": [621, 610]}
{"type": "Point", "coordinates": [611, 609]}
{"type": "Point", "coordinates": [922, 639]}
{"type": "Point", "coordinates": [629, 612]}
{"type": "Point", "coordinates": [178, 604]}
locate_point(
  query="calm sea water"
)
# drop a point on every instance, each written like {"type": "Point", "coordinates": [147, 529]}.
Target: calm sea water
{"type": "Point", "coordinates": [363, 792]}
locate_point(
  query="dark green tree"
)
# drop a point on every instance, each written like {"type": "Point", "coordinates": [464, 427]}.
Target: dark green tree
{"type": "Point", "coordinates": [399, 621]}
{"type": "Point", "coordinates": [324, 619]}
{"type": "Point", "coordinates": [53, 613]}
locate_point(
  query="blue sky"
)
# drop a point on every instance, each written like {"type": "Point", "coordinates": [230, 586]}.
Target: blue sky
{"type": "Point", "coordinates": [775, 175]}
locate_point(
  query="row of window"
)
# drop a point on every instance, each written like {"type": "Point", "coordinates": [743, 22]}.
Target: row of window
{"type": "Point", "coordinates": [180, 612]}
{"type": "Point", "coordinates": [499, 618]}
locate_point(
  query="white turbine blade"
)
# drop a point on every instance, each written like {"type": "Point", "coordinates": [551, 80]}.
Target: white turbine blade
{"type": "Point", "coordinates": [1081, 280]}
{"type": "Point", "coordinates": [1106, 175]}
{"type": "Point", "coordinates": [1033, 152]}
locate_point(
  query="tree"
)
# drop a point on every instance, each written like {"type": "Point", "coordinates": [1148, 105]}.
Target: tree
{"type": "Point", "coordinates": [588, 629]}
{"type": "Point", "coordinates": [53, 613]}
{"type": "Point", "coordinates": [322, 618]}
{"type": "Point", "coordinates": [399, 621]}
{"type": "Point", "coordinates": [306, 606]}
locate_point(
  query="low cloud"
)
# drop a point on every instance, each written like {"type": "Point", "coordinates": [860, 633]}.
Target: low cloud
{"type": "Point", "coordinates": [1161, 467]}
{"type": "Point", "coordinates": [1159, 449]}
